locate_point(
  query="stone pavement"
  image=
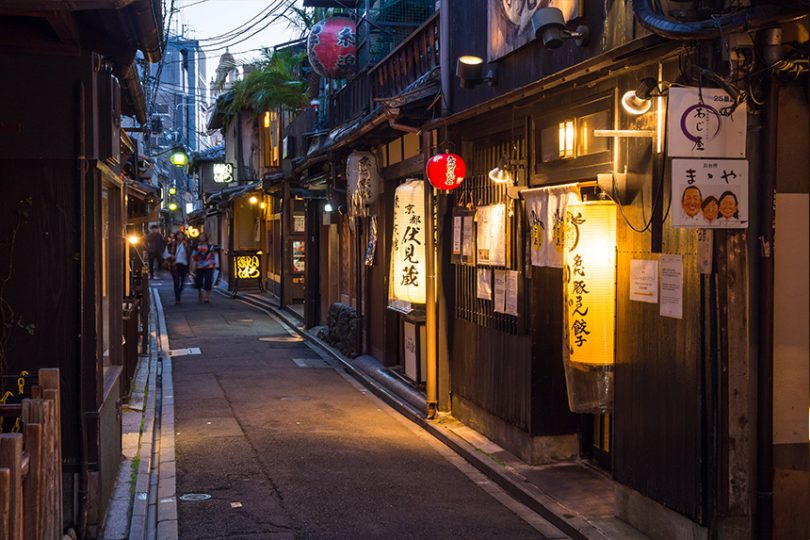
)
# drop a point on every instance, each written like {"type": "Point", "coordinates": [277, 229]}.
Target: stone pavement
{"type": "Point", "coordinates": [274, 441]}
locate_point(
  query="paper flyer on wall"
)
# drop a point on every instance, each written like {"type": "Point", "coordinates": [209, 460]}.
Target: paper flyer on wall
{"type": "Point", "coordinates": [671, 304]}
{"type": "Point", "coordinates": [457, 235]}
{"type": "Point", "coordinates": [644, 280]}
{"type": "Point", "coordinates": [511, 306]}
{"type": "Point", "coordinates": [500, 291]}
{"type": "Point", "coordinates": [484, 288]}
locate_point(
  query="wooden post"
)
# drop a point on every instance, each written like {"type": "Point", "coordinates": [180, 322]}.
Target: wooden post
{"type": "Point", "coordinates": [11, 449]}
{"type": "Point", "coordinates": [33, 488]}
{"type": "Point", "coordinates": [5, 501]}
{"type": "Point", "coordinates": [49, 380]}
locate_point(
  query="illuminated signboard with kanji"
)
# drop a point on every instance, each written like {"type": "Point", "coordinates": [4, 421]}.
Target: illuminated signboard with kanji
{"type": "Point", "coordinates": [408, 281]}
{"type": "Point", "coordinates": [590, 282]}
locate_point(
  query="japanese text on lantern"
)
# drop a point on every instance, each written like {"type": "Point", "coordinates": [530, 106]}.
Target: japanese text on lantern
{"type": "Point", "coordinates": [590, 287]}
{"type": "Point", "coordinates": [408, 242]}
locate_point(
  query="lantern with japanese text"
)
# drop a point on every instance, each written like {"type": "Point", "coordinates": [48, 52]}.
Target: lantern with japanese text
{"type": "Point", "coordinates": [408, 280]}
{"type": "Point", "coordinates": [590, 305]}
{"type": "Point", "coordinates": [332, 47]}
{"type": "Point", "coordinates": [446, 171]}
{"type": "Point", "coordinates": [363, 176]}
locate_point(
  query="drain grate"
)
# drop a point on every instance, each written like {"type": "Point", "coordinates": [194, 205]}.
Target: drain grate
{"type": "Point", "coordinates": [311, 363]}
{"type": "Point", "coordinates": [194, 497]}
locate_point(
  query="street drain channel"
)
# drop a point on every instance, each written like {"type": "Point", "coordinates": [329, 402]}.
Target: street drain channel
{"type": "Point", "coordinates": [282, 339]}
{"type": "Point", "coordinates": [194, 497]}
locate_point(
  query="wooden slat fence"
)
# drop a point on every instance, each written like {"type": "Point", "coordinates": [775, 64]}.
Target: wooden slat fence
{"type": "Point", "coordinates": [31, 465]}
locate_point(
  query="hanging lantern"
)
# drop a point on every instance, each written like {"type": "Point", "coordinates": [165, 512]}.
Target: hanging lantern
{"type": "Point", "coordinates": [332, 47]}
{"type": "Point", "coordinates": [363, 176]}
{"type": "Point", "coordinates": [446, 171]}
{"type": "Point", "coordinates": [590, 305]}
{"type": "Point", "coordinates": [408, 279]}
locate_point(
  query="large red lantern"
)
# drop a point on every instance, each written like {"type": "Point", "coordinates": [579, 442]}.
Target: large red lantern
{"type": "Point", "coordinates": [446, 171]}
{"type": "Point", "coordinates": [332, 47]}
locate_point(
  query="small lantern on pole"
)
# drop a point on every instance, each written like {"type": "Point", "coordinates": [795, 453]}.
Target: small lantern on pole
{"type": "Point", "coordinates": [446, 171]}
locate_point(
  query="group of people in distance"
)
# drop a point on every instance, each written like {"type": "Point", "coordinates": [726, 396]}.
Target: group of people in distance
{"type": "Point", "coordinates": [181, 256]}
{"type": "Point", "coordinates": [708, 212]}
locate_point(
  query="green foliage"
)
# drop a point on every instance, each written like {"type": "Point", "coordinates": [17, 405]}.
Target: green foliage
{"type": "Point", "coordinates": [275, 83]}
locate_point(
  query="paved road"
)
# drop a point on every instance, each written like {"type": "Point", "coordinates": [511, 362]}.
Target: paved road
{"type": "Point", "coordinates": [305, 452]}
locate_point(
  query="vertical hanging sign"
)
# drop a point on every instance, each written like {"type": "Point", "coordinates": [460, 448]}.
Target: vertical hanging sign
{"type": "Point", "coordinates": [590, 282]}
{"type": "Point", "coordinates": [408, 243]}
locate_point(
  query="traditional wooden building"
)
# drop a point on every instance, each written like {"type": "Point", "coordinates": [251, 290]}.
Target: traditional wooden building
{"type": "Point", "coordinates": [596, 99]}
{"type": "Point", "coordinates": [600, 106]}
{"type": "Point", "coordinates": [71, 75]}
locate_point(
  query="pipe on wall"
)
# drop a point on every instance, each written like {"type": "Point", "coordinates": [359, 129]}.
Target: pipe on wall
{"type": "Point", "coordinates": [715, 27]}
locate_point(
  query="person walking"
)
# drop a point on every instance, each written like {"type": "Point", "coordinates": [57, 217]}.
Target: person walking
{"type": "Point", "coordinates": [205, 263]}
{"type": "Point", "coordinates": [177, 254]}
{"type": "Point", "coordinates": [155, 245]}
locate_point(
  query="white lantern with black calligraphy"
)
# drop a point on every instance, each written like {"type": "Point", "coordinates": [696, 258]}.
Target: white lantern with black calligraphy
{"type": "Point", "coordinates": [363, 176]}
{"type": "Point", "coordinates": [408, 280]}
{"type": "Point", "coordinates": [590, 305]}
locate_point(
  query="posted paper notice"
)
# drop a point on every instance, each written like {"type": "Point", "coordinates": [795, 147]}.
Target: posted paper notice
{"type": "Point", "coordinates": [644, 280]}
{"type": "Point", "coordinates": [672, 286]}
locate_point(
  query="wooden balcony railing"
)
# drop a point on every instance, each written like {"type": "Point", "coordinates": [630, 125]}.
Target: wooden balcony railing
{"type": "Point", "coordinates": [352, 100]}
{"type": "Point", "coordinates": [410, 60]}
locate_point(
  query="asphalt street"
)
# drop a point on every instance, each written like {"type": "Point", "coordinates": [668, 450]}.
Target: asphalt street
{"type": "Point", "coordinates": [288, 446]}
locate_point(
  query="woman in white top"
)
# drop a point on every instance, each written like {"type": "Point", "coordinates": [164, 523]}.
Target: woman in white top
{"type": "Point", "coordinates": [176, 254]}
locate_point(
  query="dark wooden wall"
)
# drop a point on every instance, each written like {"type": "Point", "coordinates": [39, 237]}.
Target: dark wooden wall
{"type": "Point", "coordinates": [611, 24]}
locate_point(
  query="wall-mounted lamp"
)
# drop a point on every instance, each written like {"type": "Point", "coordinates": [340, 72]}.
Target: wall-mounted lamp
{"type": "Point", "coordinates": [253, 199]}
{"type": "Point", "coordinates": [172, 206]}
{"type": "Point", "coordinates": [549, 26]}
{"type": "Point", "coordinates": [501, 173]}
{"type": "Point", "coordinates": [637, 102]}
{"type": "Point", "coordinates": [328, 207]}
{"type": "Point", "coordinates": [133, 239]}
{"type": "Point", "coordinates": [470, 71]}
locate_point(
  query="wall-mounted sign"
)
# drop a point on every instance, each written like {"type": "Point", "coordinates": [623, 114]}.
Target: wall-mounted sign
{"type": "Point", "coordinates": [510, 22]}
{"type": "Point", "coordinates": [698, 126]}
{"type": "Point", "coordinates": [492, 238]}
{"type": "Point", "coordinates": [247, 267]}
{"type": "Point", "coordinates": [299, 223]}
{"type": "Point", "coordinates": [590, 283]}
{"type": "Point", "coordinates": [710, 193]}
{"type": "Point", "coordinates": [408, 280]}
{"type": "Point", "coordinates": [223, 173]}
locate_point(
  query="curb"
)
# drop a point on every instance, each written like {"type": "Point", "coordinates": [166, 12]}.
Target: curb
{"type": "Point", "coordinates": [565, 519]}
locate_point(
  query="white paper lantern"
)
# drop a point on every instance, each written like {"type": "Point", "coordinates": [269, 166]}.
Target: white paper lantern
{"type": "Point", "coordinates": [408, 279]}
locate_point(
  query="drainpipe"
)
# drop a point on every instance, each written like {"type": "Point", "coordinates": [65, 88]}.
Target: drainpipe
{"type": "Point", "coordinates": [444, 55]}
{"type": "Point", "coordinates": [431, 326]}
{"type": "Point", "coordinates": [771, 38]}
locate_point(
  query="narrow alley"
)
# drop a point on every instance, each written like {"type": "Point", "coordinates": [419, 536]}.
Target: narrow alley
{"type": "Point", "coordinates": [288, 446]}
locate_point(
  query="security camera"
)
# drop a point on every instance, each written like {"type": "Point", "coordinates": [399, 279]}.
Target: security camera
{"type": "Point", "coordinates": [549, 25]}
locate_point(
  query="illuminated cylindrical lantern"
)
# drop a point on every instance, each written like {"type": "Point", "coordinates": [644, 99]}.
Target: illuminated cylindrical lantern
{"type": "Point", "coordinates": [408, 280]}
{"type": "Point", "coordinates": [590, 304]}
{"type": "Point", "coordinates": [446, 171]}
{"type": "Point", "coordinates": [363, 175]}
{"type": "Point", "coordinates": [332, 47]}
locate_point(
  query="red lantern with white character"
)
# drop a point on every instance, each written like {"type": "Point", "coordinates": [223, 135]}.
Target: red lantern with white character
{"type": "Point", "coordinates": [332, 47]}
{"type": "Point", "coordinates": [446, 171]}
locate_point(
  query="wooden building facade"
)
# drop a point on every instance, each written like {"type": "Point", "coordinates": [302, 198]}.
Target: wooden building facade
{"type": "Point", "coordinates": [72, 77]}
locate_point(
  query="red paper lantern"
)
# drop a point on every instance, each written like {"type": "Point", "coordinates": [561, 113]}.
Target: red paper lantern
{"type": "Point", "coordinates": [446, 171]}
{"type": "Point", "coordinates": [332, 47]}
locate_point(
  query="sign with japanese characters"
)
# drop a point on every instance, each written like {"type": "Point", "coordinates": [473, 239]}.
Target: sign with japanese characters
{"type": "Point", "coordinates": [590, 282]}
{"type": "Point", "coordinates": [491, 235]}
{"type": "Point", "coordinates": [545, 210]}
{"type": "Point", "coordinates": [408, 280]}
{"type": "Point", "coordinates": [363, 176]}
{"type": "Point", "coordinates": [700, 124]}
{"type": "Point", "coordinates": [710, 193]}
{"type": "Point", "coordinates": [223, 173]}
